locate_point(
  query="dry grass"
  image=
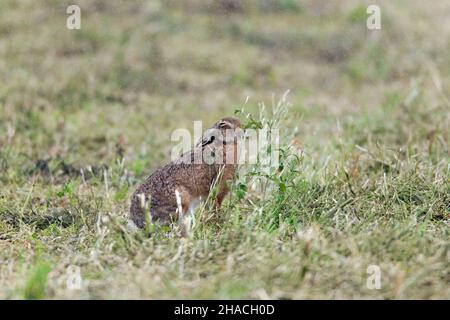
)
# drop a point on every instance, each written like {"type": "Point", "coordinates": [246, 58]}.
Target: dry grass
{"type": "Point", "coordinates": [370, 111]}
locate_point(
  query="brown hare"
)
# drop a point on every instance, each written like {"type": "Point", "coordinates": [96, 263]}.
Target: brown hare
{"type": "Point", "coordinates": [174, 190]}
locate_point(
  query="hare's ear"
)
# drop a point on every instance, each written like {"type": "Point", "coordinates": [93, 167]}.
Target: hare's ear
{"type": "Point", "coordinates": [208, 138]}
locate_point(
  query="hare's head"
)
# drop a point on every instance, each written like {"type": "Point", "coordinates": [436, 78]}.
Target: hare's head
{"type": "Point", "coordinates": [228, 123]}
{"type": "Point", "coordinates": [226, 130]}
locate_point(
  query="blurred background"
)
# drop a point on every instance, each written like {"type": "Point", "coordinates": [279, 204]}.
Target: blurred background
{"type": "Point", "coordinates": [136, 70]}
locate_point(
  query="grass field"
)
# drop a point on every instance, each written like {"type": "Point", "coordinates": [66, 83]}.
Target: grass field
{"type": "Point", "coordinates": [85, 115]}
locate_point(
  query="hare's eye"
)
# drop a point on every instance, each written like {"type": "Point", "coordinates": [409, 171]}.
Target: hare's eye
{"type": "Point", "coordinates": [224, 125]}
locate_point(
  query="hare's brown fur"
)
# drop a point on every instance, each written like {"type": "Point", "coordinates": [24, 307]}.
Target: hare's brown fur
{"type": "Point", "coordinates": [191, 176]}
